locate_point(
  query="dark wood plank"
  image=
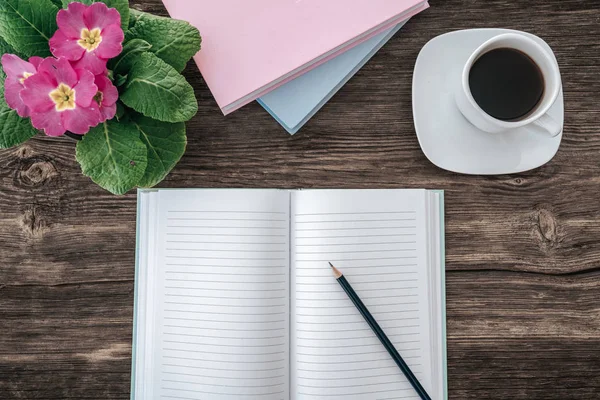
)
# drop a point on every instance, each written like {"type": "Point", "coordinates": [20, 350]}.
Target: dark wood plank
{"type": "Point", "coordinates": [523, 251]}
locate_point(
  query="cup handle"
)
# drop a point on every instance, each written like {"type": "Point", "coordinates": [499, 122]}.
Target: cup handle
{"type": "Point", "coordinates": [548, 124]}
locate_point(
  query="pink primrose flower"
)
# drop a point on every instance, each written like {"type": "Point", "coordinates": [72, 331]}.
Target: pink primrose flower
{"type": "Point", "coordinates": [61, 98]}
{"type": "Point", "coordinates": [106, 97]}
{"type": "Point", "coordinates": [88, 36]}
{"type": "Point", "coordinates": [17, 71]}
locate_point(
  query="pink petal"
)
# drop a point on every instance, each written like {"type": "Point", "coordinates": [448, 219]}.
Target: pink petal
{"type": "Point", "coordinates": [91, 62]}
{"type": "Point", "coordinates": [35, 61]}
{"type": "Point", "coordinates": [98, 15]}
{"type": "Point", "coordinates": [112, 39]}
{"type": "Point", "coordinates": [15, 67]}
{"type": "Point", "coordinates": [108, 112]}
{"type": "Point", "coordinates": [85, 90]}
{"type": "Point", "coordinates": [12, 91]}
{"type": "Point", "coordinates": [36, 92]}
{"type": "Point", "coordinates": [81, 119]}
{"type": "Point", "coordinates": [62, 46]}
{"type": "Point", "coordinates": [110, 94]}
{"type": "Point", "coordinates": [71, 21]}
{"type": "Point", "coordinates": [60, 70]}
{"type": "Point", "coordinates": [49, 121]}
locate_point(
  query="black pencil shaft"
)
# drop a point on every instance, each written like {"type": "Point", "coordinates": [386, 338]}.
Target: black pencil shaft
{"type": "Point", "coordinates": [383, 338]}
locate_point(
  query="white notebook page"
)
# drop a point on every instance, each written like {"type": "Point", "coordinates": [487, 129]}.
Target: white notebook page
{"type": "Point", "coordinates": [379, 243]}
{"type": "Point", "coordinates": [222, 295]}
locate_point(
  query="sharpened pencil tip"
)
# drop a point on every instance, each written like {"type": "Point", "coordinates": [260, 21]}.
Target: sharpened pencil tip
{"type": "Point", "coordinates": [336, 272]}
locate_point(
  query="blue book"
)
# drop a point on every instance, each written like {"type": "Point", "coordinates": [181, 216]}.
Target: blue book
{"type": "Point", "coordinates": [295, 102]}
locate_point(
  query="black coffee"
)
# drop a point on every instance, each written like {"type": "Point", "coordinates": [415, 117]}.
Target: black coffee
{"type": "Point", "coordinates": [506, 83]}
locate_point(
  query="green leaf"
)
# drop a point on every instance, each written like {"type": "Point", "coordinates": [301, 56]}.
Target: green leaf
{"type": "Point", "coordinates": [165, 143]}
{"type": "Point", "coordinates": [172, 40]}
{"type": "Point", "coordinates": [57, 3]}
{"type": "Point", "coordinates": [120, 111]}
{"type": "Point", "coordinates": [122, 7]}
{"type": "Point", "coordinates": [113, 155]}
{"type": "Point", "coordinates": [7, 48]}
{"type": "Point", "coordinates": [131, 51]}
{"type": "Point", "coordinates": [120, 80]}
{"type": "Point", "coordinates": [158, 91]}
{"type": "Point", "coordinates": [14, 130]}
{"type": "Point", "coordinates": [27, 25]}
{"type": "Point", "coordinates": [134, 15]}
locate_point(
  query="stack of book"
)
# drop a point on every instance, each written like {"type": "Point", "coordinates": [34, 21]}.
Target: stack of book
{"type": "Point", "coordinates": [290, 55]}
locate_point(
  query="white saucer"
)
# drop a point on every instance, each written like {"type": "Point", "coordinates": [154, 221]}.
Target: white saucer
{"type": "Point", "coordinates": [447, 138]}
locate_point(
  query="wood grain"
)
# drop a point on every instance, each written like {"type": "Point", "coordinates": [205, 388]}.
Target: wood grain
{"type": "Point", "coordinates": [523, 251]}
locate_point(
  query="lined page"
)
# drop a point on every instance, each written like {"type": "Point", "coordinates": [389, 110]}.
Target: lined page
{"type": "Point", "coordinates": [222, 295]}
{"type": "Point", "coordinates": [377, 239]}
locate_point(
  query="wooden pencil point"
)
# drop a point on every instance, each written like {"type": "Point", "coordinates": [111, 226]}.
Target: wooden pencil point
{"type": "Point", "coordinates": [336, 272]}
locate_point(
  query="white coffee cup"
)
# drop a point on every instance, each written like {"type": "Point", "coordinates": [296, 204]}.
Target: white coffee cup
{"type": "Point", "coordinates": [539, 117]}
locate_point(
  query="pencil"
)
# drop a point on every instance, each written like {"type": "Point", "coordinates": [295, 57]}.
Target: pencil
{"type": "Point", "coordinates": [379, 333]}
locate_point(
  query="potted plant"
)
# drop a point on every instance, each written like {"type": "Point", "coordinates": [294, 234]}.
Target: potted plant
{"type": "Point", "coordinates": [104, 74]}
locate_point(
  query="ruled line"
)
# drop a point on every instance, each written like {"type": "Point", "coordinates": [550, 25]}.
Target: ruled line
{"type": "Point", "coordinates": [358, 259]}
{"type": "Point", "coordinates": [223, 344]}
{"type": "Point", "coordinates": [225, 219]}
{"type": "Point", "coordinates": [224, 369]}
{"type": "Point", "coordinates": [361, 361]}
{"type": "Point", "coordinates": [222, 377]}
{"type": "Point", "coordinates": [220, 393]}
{"type": "Point", "coordinates": [353, 252]}
{"type": "Point", "coordinates": [223, 289]}
{"type": "Point", "coordinates": [228, 212]}
{"type": "Point", "coordinates": [357, 284]}
{"type": "Point", "coordinates": [354, 244]}
{"type": "Point", "coordinates": [203, 351]}
{"type": "Point", "coordinates": [356, 213]}
{"type": "Point", "coordinates": [354, 236]}
{"type": "Point", "coordinates": [224, 234]}
{"type": "Point", "coordinates": [360, 321]}
{"type": "Point", "coordinates": [229, 305]}
{"type": "Point", "coordinates": [227, 227]}
{"type": "Point", "coordinates": [226, 321]}
{"type": "Point", "coordinates": [206, 281]}
{"type": "Point", "coordinates": [232, 250]}
{"type": "Point", "coordinates": [354, 345]}
{"type": "Point", "coordinates": [226, 362]}
{"type": "Point", "coordinates": [232, 258]}
{"type": "Point", "coordinates": [351, 370]}
{"type": "Point", "coordinates": [359, 337]}
{"type": "Point", "coordinates": [354, 220]}
{"type": "Point", "coordinates": [355, 228]}
{"type": "Point", "coordinates": [214, 384]}
{"type": "Point", "coordinates": [223, 337]}
{"type": "Point", "coordinates": [352, 306]}
{"type": "Point", "coordinates": [352, 314]}
{"type": "Point", "coordinates": [352, 378]}
{"type": "Point", "coordinates": [226, 313]}
{"type": "Point", "coordinates": [222, 266]}
{"type": "Point", "coordinates": [223, 329]}
{"type": "Point", "coordinates": [222, 242]}
{"type": "Point", "coordinates": [345, 355]}
{"type": "Point", "coordinates": [356, 330]}
{"type": "Point", "coordinates": [262, 274]}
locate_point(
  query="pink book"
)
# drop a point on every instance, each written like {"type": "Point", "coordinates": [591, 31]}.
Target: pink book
{"type": "Point", "coordinates": [250, 47]}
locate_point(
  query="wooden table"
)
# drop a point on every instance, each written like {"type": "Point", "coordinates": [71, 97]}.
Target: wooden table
{"type": "Point", "coordinates": [523, 251]}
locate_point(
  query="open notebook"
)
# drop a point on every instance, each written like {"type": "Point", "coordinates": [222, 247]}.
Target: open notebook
{"type": "Point", "coordinates": [235, 298]}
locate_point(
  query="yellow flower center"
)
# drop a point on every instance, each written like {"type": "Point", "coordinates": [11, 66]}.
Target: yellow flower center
{"type": "Point", "coordinates": [25, 76]}
{"type": "Point", "coordinates": [90, 40]}
{"type": "Point", "coordinates": [63, 97]}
